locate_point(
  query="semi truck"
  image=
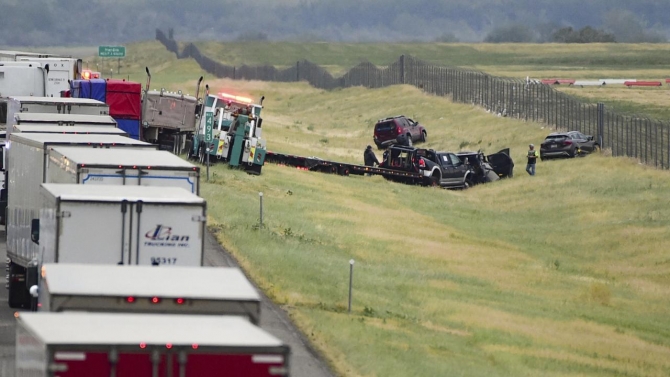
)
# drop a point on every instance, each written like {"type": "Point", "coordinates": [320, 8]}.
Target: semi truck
{"type": "Point", "coordinates": [146, 289]}
{"type": "Point", "coordinates": [169, 119]}
{"type": "Point", "coordinates": [77, 344]}
{"type": "Point", "coordinates": [229, 130]}
{"type": "Point", "coordinates": [27, 167]}
{"type": "Point", "coordinates": [52, 105]}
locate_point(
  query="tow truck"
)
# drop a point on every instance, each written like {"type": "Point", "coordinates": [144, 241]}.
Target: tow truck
{"type": "Point", "coordinates": [230, 130]}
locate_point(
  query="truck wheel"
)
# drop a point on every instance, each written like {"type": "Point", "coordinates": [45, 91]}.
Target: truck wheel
{"type": "Point", "coordinates": [467, 183]}
{"type": "Point", "coordinates": [434, 180]}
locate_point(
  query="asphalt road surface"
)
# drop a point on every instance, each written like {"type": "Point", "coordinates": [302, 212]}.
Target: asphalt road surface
{"type": "Point", "coordinates": [304, 361]}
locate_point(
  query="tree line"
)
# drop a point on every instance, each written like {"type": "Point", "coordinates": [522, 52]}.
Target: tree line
{"type": "Point", "coordinates": [81, 22]}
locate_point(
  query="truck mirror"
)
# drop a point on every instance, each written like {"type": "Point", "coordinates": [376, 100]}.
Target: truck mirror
{"type": "Point", "coordinates": [35, 231]}
{"type": "Point", "coordinates": [198, 108]}
{"type": "Point", "coordinates": [259, 123]}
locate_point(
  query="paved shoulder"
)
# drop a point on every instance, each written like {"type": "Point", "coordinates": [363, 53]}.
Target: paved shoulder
{"type": "Point", "coordinates": [305, 362]}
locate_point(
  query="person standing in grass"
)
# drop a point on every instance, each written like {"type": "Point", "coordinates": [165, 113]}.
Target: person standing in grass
{"type": "Point", "coordinates": [532, 159]}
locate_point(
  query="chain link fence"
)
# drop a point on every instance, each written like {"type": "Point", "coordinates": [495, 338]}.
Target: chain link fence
{"type": "Point", "coordinates": [629, 135]}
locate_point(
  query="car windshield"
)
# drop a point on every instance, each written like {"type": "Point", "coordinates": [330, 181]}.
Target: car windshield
{"type": "Point", "coordinates": [385, 126]}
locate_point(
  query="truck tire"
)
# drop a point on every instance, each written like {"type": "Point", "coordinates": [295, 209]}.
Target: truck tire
{"type": "Point", "coordinates": [18, 296]}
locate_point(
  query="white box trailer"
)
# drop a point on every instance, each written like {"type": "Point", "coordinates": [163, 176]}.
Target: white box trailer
{"type": "Point", "coordinates": [147, 289]}
{"type": "Point", "coordinates": [145, 345]}
{"type": "Point", "coordinates": [128, 167]}
{"type": "Point", "coordinates": [53, 105]}
{"type": "Point", "coordinates": [58, 120]}
{"type": "Point", "coordinates": [120, 225]}
{"type": "Point", "coordinates": [61, 72]}
{"type": "Point", "coordinates": [85, 130]}
{"type": "Point", "coordinates": [27, 166]}
{"type": "Point", "coordinates": [22, 79]}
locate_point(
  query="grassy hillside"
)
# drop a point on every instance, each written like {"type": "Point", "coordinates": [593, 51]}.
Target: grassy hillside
{"type": "Point", "coordinates": [593, 61]}
{"type": "Point", "coordinates": [562, 274]}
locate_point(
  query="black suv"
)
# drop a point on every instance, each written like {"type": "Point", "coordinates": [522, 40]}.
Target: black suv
{"type": "Point", "coordinates": [567, 144]}
{"type": "Point", "coordinates": [398, 130]}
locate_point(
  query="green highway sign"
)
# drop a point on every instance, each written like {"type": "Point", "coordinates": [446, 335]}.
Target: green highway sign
{"type": "Point", "coordinates": [111, 51]}
{"type": "Point", "coordinates": [209, 126]}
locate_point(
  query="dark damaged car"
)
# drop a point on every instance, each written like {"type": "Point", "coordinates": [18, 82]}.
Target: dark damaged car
{"type": "Point", "coordinates": [489, 168]}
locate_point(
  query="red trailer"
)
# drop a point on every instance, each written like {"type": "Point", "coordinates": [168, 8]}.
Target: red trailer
{"type": "Point", "coordinates": [145, 345]}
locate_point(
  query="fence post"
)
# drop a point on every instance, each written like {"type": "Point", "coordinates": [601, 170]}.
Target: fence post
{"type": "Point", "coordinates": [402, 69]}
{"type": "Point", "coordinates": [601, 115]}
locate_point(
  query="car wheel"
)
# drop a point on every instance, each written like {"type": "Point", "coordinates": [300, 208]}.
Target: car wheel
{"type": "Point", "coordinates": [467, 184]}
{"type": "Point", "coordinates": [423, 136]}
{"type": "Point", "coordinates": [434, 180]}
{"type": "Point", "coordinates": [574, 153]}
{"type": "Point", "coordinates": [596, 148]}
{"type": "Point", "coordinates": [409, 140]}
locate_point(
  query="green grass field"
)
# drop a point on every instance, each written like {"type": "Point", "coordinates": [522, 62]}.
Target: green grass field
{"type": "Point", "coordinates": [562, 274]}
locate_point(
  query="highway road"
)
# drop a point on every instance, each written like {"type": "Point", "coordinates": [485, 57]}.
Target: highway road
{"type": "Point", "coordinates": [304, 361]}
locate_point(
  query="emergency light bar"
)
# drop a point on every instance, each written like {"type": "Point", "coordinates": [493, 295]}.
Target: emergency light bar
{"type": "Point", "coordinates": [87, 74]}
{"type": "Point", "coordinates": [236, 98]}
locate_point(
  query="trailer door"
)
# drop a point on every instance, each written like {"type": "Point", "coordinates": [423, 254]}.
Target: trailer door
{"type": "Point", "coordinates": [94, 233]}
{"type": "Point", "coordinates": [168, 235]}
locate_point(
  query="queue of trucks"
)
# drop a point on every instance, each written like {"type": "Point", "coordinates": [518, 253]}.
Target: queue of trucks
{"type": "Point", "coordinates": [105, 244]}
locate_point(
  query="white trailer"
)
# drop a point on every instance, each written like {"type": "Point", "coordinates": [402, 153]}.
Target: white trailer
{"type": "Point", "coordinates": [61, 72]}
{"type": "Point", "coordinates": [68, 120]}
{"type": "Point", "coordinates": [128, 167]}
{"type": "Point", "coordinates": [22, 79]}
{"type": "Point", "coordinates": [85, 130]}
{"type": "Point", "coordinates": [120, 225]}
{"type": "Point", "coordinates": [147, 289]}
{"type": "Point", "coordinates": [52, 105]}
{"type": "Point", "coordinates": [27, 166]}
{"type": "Point", "coordinates": [145, 345]}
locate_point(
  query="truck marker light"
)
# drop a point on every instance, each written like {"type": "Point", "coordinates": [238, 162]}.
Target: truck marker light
{"type": "Point", "coordinates": [194, 346]}
{"type": "Point", "coordinates": [143, 345]}
{"type": "Point", "coordinates": [155, 300]}
{"type": "Point", "coordinates": [179, 301]}
{"type": "Point", "coordinates": [130, 299]}
{"type": "Point", "coordinates": [16, 314]}
{"type": "Point", "coordinates": [134, 166]}
{"type": "Point", "coordinates": [168, 346]}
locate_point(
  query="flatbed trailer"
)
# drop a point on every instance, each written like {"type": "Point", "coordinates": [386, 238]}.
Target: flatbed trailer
{"type": "Point", "coordinates": [341, 168]}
